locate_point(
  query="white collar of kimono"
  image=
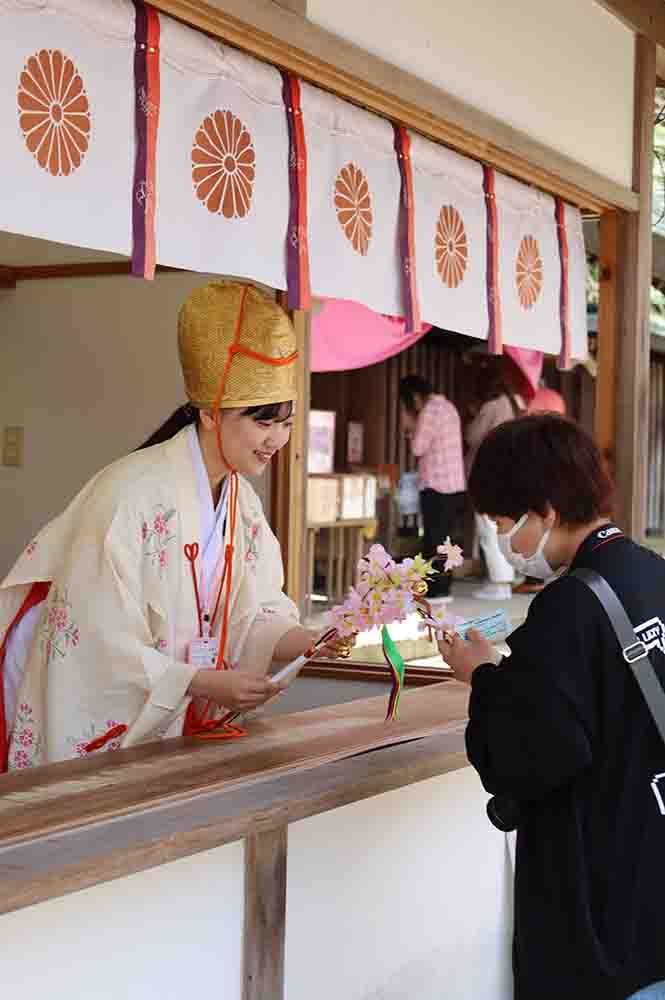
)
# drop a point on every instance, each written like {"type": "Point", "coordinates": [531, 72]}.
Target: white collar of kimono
{"type": "Point", "coordinates": [213, 519]}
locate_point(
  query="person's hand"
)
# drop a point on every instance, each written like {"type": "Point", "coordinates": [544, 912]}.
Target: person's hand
{"type": "Point", "coordinates": [464, 655]}
{"type": "Point", "coordinates": [233, 689]}
{"type": "Point", "coordinates": [337, 649]}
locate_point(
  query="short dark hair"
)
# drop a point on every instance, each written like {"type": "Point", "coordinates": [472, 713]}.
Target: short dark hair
{"type": "Point", "coordinates": [410, 387]}
{"type": "Point", "coordinates": [530, 462]}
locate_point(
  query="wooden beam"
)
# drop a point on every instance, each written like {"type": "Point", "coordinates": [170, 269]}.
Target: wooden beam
{"type": "Point", "coordinates": [89, 269]}
{"type": "Point", "coordinates": [291, 42]}
{"type": "Point", "coordinates": [7, 277]}
{"type": "Point", "coordinates": [77, 855]}
{"type": "Point", "coordinates": [608, 328]}
{"type": "Point", "coordinates": [289, 484]}
{"type": "Point", "coordinates": [645, 17]}
{"type": "Point", "coordinates": [265, 915]}
{"type": "Point", "coordinates": [635, 262]}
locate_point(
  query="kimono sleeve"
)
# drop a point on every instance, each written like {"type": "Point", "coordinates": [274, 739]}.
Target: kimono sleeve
{"type": "Point", "coordinates": [276, 614]}
{"type": "Point", "coordinates": [161, 678]}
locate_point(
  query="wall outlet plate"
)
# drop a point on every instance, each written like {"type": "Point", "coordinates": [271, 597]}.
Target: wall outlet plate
{"type": "Point", "coordinates": [12, 446]}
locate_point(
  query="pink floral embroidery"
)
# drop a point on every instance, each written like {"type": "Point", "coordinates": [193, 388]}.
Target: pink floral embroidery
{"type": "Point", "coordinates": [156, 537]}
{"type": "Point", "coordinates": [26, 745]}
{"type": "Point", "coordinates": [80, 742]}
{"type": "Point", "coordinates": [31, 547]}
{"type": "Point", "coordinates": [252, 531]}
{"type": "Point", "coordinates": [60, 630]}
{"type": "Point", "coordinates": [161, 645]}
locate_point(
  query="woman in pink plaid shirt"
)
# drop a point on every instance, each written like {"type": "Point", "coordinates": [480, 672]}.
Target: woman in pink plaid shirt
{"type": "Point", "coordinates": [435, 430]}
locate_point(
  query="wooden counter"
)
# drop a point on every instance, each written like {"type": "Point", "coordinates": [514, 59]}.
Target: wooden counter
{"type": "Point", "coordinates": [80, 824]}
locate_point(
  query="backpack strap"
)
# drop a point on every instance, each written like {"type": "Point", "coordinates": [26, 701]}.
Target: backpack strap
{"type": "Point", "coordinates": [633, 650]}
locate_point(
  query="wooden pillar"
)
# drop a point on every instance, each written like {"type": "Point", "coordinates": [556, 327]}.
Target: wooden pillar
{"type": "Point", "coordinates": [289, 484]}
{"type": "Point", "coordinates": [634, 273]}
{"type": "Point", "coordinates": [608, 330]}
{"type": "Point", "coordinates": [265, 915]}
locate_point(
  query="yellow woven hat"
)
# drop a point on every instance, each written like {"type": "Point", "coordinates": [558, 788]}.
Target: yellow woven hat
{"type": "Point", "coordinates": [237, 347]}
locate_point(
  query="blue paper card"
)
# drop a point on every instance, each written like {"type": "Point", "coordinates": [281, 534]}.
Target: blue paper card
{"type": "Point", "coordinates": [494, 627]}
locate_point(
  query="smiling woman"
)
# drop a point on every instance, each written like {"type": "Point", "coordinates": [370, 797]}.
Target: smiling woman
{"type": "Point", "coordinates": [155, 600]}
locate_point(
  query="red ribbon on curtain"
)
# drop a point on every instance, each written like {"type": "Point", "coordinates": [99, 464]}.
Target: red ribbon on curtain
{"type": "Point", "coordinates": [565, 356]}
{"type": "Point", "coordinates": [146, 123]}
{"type": "Point", "coordinates": [407, 231]}
{"type": "Point", "coordinates": [297, 248]}
{"type": "Point", "coordinates": [495, 333]}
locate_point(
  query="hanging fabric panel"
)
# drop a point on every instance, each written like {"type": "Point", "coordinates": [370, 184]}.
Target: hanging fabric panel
{"type": "Point", "coordinates": [577, 278]}
{"type": "Point", "coordinates": [222, 160]}
{"type": "Point", "coordinates": [450, 238]}
{"type": "Point", "coordinates": [353, 203]}
{"type": "Point", "coordinates": [529, 266]}
{"type": "Point", "coordinates": [66, 113]}
{"type": "Point", "coordinates": [220, 181]}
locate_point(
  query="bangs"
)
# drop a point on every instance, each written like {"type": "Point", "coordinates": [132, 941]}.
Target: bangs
{"type": "Point", "coordinates": [271, 411]}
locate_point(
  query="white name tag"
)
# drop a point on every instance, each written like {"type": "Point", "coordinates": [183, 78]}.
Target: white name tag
{"type": "Point", "coordinates": [203, 652]}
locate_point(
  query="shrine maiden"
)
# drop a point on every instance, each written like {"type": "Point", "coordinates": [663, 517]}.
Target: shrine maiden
{"type": "Point", "coordinates": [113, 620]}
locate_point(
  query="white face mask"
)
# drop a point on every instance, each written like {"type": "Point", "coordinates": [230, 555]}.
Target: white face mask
{"type": "Point", "coordinates": [536, 565]}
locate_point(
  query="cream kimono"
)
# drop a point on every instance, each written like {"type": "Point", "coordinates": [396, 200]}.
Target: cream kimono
{"type": "Point", "coordinates": [110, 645]}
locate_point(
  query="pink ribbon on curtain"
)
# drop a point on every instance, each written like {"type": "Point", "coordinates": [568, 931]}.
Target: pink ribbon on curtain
{"type": "Point", "coordinates": [494, 334]}
{"type": "Point", "coordinates": [347, 335]}
{"type": "Point", "coordinates": [297, 250]}
{"type": "Point", "coordinates": [565, 356]}
{"type": "Point", "coordinates": [146, 123]}
{"type": "Point", "coordinates": [407, 231]}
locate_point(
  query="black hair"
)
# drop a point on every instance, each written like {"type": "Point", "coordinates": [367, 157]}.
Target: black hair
{"type": "Point", "coordinates": [528, 463]}
{"type": "Point", "coordinates": [188, 414]}
{"type": "Point", "coordinates": [410, 387]}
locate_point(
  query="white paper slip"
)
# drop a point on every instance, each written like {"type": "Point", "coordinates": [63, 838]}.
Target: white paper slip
{"type": "Point", "coordinates": [288, 672]}
{"type": "Point", "coordinates": [494, 627]}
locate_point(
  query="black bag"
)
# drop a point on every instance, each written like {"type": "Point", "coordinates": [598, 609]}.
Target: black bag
{"type": "Point", "coordinates": [504, 812]}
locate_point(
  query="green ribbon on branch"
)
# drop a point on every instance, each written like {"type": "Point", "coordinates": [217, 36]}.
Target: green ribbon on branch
{"type": "Point", "coordinates": [394, 659]}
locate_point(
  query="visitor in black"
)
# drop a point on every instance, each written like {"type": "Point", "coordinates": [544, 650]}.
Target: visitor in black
{"type": "Point", "coordinates": [561, 728]}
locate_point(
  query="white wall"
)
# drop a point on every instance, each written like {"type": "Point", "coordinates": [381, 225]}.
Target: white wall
{"type": "Point", "coordinates": [170, 933]}
{"type": "Point", "coordinates": [405, 895]}
{"type": "Point", "coordinates": [89, 367]}
{"type": "Point", "coordinates": [560, 72]}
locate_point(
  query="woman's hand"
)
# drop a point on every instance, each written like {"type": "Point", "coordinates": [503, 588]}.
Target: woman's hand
{"type": "Point", "coordinates": [337, 649]}
{"type": "Point", "coordinates": [233, 689]}
{"type": "Point", "coordinates": [464, 655]}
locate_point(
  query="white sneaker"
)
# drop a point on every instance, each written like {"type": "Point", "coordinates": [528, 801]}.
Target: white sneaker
{"type": "Point", "coordinates": [494, 592]}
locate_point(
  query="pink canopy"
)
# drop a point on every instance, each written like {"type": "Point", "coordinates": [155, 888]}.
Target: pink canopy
{"type": "Point", "coordinates": [347, 335]}
{"type": "Point", "coordinates": [530, 364]}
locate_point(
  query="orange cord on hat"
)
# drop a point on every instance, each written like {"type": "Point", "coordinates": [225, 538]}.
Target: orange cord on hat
{"type": "Point", "coordinates": [195, 725]}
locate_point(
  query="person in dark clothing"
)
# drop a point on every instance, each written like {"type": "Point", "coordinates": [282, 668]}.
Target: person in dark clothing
{"type": "Point", "coordinates": [433, 426]}
{"type": "Point", "coordinates": [560, 727]}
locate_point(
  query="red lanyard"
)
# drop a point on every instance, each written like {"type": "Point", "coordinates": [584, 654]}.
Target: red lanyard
{"type": "Point", "coordinates": [191, 553]}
